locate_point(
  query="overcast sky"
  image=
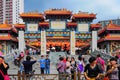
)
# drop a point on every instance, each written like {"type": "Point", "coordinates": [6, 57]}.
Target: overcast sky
{"type": "Point", "coordinates": [105, 9]}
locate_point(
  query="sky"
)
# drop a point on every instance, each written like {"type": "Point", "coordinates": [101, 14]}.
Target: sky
{"type": "Point", "coordinates": [105, 9]}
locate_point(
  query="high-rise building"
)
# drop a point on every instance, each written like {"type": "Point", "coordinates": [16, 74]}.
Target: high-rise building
{"type": "Point", "coordinates": [10, 10]}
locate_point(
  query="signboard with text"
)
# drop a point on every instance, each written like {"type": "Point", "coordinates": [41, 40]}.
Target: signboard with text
{"type": "Point", "coordinates": [83, 27]}
{"type": "Point", "coordinates": [72, 42]}
{"type": "Point", "coordinates": [32, 27]}
{"type": "Point", "coordinates": [58, 24]}
{"type": "Point", "coordinates": [43, 42]}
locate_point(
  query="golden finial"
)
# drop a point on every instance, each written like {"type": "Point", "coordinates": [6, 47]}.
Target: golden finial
{"type": "Point", "coordinates": [111, 22]}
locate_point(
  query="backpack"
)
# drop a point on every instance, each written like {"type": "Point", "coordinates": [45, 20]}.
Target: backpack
{"type": "Point", "coordinates": [80, 67]}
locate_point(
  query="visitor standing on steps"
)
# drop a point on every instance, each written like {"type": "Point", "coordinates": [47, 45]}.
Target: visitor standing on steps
{"type": "Point", "coordinates": [47, 65]}
{"type": "Point", "coordinates": [28, 64]}
{"type": "Point", "coordinates": [42, 64]}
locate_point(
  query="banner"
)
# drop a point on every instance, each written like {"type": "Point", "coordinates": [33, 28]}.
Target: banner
{"type": "Point", "coordinates": [72, 42]}
{"type": "Point", "coordinates": [43, 43]}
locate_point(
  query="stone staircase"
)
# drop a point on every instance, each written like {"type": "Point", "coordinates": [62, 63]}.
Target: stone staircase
{"type": "Point", "coordinates": [54, 59]}
{"type": "Point", "coordinates": [54, 56]}
{"type": "Point", "coordinates": [105, 56]}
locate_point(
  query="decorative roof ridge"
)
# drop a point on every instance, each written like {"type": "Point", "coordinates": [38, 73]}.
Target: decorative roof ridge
{"type": "Point", "coordinates": [32, 15]}
{"type": "Point", "coordinates": [19, 25]}
{"type": "Point", "coordinates": [71, 24]}
{"type": "Point", "coordinates": [83, 15]}
{"type": "Point", "coordinates": [109, 37]}
{"type": "Point", "coordinates": [31, 12]}
{"type": "Point", "coordinates": [56, 9]}
{"type": "Point", "coordinates": [80, 12]}
{"type": "Point", "coordinates": [5, 25]}
{"type": "Point", "coordinates": [101, 30]}
{"type": "Point", "coordinates": [97, 26]}
{"type": "Point", "coordinates": [9, 37]}
{"type": "Point", "coordinates": [111, 25]}
{"type": "Point", "coordinates": [44, 23]}
{"type": "Point", "coordinates": [57, 12]}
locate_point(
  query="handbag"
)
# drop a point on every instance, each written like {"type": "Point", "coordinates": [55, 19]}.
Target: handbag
{"type": "Point", "coordinates": [6, 77]}
{"type": "Point", "coordinates": [106, 78]}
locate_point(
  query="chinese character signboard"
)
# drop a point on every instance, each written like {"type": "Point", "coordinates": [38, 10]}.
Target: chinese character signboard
{"type": "Point", "coordinates": [43, 42]}
{"type": "Point", "coordinates": [32, 27]}
{"type": "Point", "coordinates": [72, 42]}
{"type": "Point", "coordinates": [58, 24]}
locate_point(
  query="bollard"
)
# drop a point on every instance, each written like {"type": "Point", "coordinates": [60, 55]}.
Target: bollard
{"type": "Point", "coordinates": [19, 74]}
{"type": "Point", "coordinates": [79, 75]}
{"type": "Point", "coordinates": [74, 75]}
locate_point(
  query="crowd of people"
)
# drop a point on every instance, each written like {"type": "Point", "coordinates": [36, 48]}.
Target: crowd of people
{"type": "Point", "coordinates": [96, 69]}
{"type": "Point", "coordinates": [93, 70]}
{"type": "Point", "coordinates": [69, 65]}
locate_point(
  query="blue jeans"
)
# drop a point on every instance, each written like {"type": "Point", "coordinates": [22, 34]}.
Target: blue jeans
{"type": "Point", "coordinates": [21, 68]}
{"type": "Point", "coordinates": [47, 70]}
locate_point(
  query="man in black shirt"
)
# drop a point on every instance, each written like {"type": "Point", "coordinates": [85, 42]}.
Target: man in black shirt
{"type": "Point", "coordinates": [92, 70]}
{"type": "Point", "coordinates": [3, 67]}
{"type": "Point", "coordinates": [28, 64]}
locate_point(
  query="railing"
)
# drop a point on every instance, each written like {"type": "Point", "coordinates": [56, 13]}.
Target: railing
{"type": "Point", "coordinates": [10, 56]}
{"type": "Point", "coordinates": [23, 76]}
{"type": "Point", "coordinates": [15, 76]}
{"type": "Point", "coordinates": [105, 56]}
